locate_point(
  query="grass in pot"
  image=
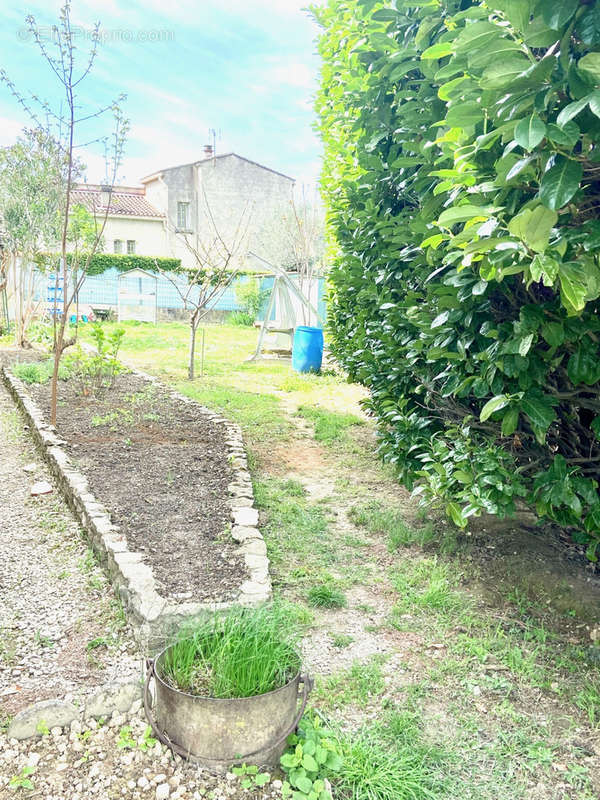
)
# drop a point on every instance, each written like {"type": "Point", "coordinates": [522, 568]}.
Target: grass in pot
{"type": "Point", "coordinates": [243, 653]}
{"type": "Point", "coordinates": [228, 686]}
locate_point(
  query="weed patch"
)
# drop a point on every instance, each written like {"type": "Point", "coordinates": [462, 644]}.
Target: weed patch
{"type": "Point", "coordinates": [427, 584]}
{"type": "Point", "coordinates": [294, 528]}
{"type": "Point", "coordinates": [331, 427]}
{"type": "Point", "coordinates": [357, 686]}
{"type": "Point", "coordinates": [389, 761]}
{"type": "Point", "coordinates": [380, 520]}
{"type": "Point", "coordinates": [341, 640]}
{"type": "Point", "coordinates": [325, 595]}
{"type": "Point", "coordinates": [38, 371]}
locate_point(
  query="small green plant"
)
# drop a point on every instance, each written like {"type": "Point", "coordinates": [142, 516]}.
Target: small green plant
{"type": "Point", "coordinates": [251, 299]}
{"type": "Point", "coordinates": [99, 641]}
{"type": "Point", "coordinates": [241, 653]}
{"type": "Point", "coordinates": [312, 756]}
{"type": "Point", "coordinates": [4, 721]}
{"type": "Point", "coordinates": [588, 700]}
{"type": "Point", "coordinates": [325, 595]}
{"type": "Point", "coordinates": [147, 741]}
{"type": "Point", "coordinates": [95, 584]}
{"type": "Point", "coordinates": [8, 646]}
{"type": "Point", "coordinates": [42, 728]}
{"type": "Point", "coordinates": [341, 640]}
{"type": "Point", "coordinates": [120, 416]}
{"type": "Point", "coordinates": [22, 780]}
{"type": "Point", "coordinates": [43, 640]}
{"type": "Point", "coordinates": [251, 777]}
{"type": "Point", "coordinates": [242, 318]}
{"type": "Point", "coordinates": [87, 563]}
{"type": "Point", "coordinates": [126, 740]}
{"type": "Point", "coordinates": [95, 371]}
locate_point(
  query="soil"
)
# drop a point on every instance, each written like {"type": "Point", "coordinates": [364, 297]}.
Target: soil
{"type": "Point", "coordinates": [160, 467]}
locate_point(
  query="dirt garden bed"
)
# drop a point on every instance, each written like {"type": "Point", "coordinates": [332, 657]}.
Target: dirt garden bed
{"type": "Point", "coordinates": [162, 485]}
{"type": "Point", "coordinates": [161, 467]}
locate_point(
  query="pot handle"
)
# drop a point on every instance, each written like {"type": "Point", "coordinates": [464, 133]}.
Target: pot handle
{"type": "Point", "coordinates": [307, 684]}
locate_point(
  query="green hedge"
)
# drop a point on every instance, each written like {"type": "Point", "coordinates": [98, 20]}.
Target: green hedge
{"type": "Point", "coordinates": [462, 178]}
{"type": "Point", "coordinates": [100, 262]}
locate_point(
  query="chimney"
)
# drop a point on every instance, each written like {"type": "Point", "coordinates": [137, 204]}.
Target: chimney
{"type": "Point", "coordinates": [208, 150]}
{"type": "Point", "coordinates": [105, 193]}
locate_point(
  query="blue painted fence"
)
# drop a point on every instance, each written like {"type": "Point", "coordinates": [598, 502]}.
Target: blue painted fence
{"type": "Point", "coordinates": [102, 290]}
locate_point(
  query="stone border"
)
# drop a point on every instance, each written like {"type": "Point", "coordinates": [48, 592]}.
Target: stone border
{"type": "Point", "coordinates": [154, 618]}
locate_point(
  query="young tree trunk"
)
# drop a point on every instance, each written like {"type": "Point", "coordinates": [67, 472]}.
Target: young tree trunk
{"type": "Point", "coordinates": [59, 340]}
{"type": "Point", "coordinates": [21, 303]}
{"type": "Point", "coordinates": [58, 349]}
{"type": "Point", "coordinates": [193, 325]}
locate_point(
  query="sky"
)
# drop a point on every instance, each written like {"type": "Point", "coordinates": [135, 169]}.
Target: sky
{"type": "Point", "coordinates": [245, 68]}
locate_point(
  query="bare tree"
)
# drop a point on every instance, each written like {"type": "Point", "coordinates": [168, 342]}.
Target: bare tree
{"type": "Point", "coordinates": [216, 262]}
{"type": "Point", "coordinates": [295, 240]}
{"type": "Point", "coordinates": [304, 230]}
{"type": "Point", "coordinates": [64, 120]}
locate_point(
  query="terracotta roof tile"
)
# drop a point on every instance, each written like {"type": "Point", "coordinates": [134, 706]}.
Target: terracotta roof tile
{"type": "Point", "coordinates": [125, 202]}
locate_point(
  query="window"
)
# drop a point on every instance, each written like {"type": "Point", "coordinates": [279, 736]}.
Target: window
{"type": "Point", "coordinates": [183, 215]}
{"type": "Point", "coordinates": [130, 246]}
{"type": "Point", "coordinates": [117, 246]}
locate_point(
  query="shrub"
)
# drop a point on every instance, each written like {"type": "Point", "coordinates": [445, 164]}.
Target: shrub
{"type": "Point", "coordinates": [461, 175]}
{"type": "Point", "coordinates": [101, 262]}
{"type": "Point", "coordinates": [251, 298]}
{"type": "Point", "coordinates": [242, 318]}
{"type": "Point", "coordinates": [95, 371]}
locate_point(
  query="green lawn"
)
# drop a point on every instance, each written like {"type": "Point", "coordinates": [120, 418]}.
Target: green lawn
{"type": "Point", "coordinates": [444, 679]}
{"type": "Point", "coordinates": [250, 392]}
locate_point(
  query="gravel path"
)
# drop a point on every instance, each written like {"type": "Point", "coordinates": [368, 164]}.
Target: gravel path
{"type": "Point", "coordinates": [61, 630]}
{"type": "Point", "coordinates": [63, 635]}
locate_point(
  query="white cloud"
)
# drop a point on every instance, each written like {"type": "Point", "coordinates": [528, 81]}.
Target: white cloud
{"type": "Point", "coordinates": [294, 73]}
{"type": "Point", "coordinates": [10, 128]}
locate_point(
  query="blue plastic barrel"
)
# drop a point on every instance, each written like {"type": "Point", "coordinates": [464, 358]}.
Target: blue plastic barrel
{"type": "Point", "coordinates": [307, 350]}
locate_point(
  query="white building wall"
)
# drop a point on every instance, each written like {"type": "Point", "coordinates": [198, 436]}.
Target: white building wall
{"type": "Point", "coordinates": [149, 235]}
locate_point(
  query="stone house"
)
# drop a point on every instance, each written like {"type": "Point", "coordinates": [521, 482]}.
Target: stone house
{"type": "Point", "coordinates": [201, 200]}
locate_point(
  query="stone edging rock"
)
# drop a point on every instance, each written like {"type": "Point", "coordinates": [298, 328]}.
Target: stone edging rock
{"type": "Point", "coordinates": [154, 618]}
{"type": "Point", "coordinates": [107, 701]}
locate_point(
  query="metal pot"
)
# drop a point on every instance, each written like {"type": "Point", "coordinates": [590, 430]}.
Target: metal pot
{"type": "Point", "coordinates": [218, 733]}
